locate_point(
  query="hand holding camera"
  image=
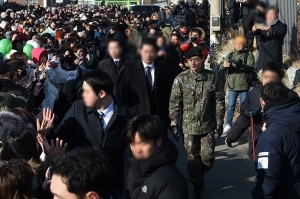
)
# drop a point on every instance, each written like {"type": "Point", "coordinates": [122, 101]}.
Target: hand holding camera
{"type": "Point", "coordinates": [235, 63]}
{"type": "Point", "coordinates": [193, 39]}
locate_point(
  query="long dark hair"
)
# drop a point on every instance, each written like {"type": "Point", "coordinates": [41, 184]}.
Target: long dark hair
{"type": "Point", "coordinates": [16, 178]}
{"type": "Point", "coordinates": [20, 144]}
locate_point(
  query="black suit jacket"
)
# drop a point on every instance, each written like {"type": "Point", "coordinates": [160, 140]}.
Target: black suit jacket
{"type": "Point", "coordinates": [81, 127]}
{"type": "Point", "coordinates": [133, 92]}
{"type": "Point", "coordinates": [107, 65]}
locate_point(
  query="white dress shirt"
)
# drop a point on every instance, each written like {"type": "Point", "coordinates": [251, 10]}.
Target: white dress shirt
{"type": "Point", "coordinates": [152, 70]}
{"type": "Point", "coordinates": [107, 114]}
{"type": "Point", "coordinates": [118, 60]}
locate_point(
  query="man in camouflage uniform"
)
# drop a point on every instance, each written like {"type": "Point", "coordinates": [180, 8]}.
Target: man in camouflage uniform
{"type": "Point", "coordinates": [197, 91]}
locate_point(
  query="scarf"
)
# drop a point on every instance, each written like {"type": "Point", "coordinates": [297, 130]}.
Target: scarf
{"type": "Point", "coordinates": [272, 23]}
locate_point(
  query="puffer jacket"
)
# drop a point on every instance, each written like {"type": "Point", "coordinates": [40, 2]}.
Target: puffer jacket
{"type": "Point", "coordinates": [182, 17]}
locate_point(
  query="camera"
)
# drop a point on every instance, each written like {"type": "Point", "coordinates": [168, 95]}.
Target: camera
{"type": "Point", "coordinates": [235, 63]}
{"type": "Point", "coordinates": [257, 115]}
{"type": "Point", "coordinates": [194, 39]}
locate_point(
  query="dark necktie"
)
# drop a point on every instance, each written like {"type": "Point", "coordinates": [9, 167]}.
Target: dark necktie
{"type": "Point", "coordinates": [101, 119]}
{"type": "Point", "coordinates": [149, 77]}
{"type": "Point", "coordinates": [116, 64]}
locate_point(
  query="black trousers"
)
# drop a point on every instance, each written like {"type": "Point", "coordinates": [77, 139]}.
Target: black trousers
{"type": "Point", "coordinates": [247, 29]}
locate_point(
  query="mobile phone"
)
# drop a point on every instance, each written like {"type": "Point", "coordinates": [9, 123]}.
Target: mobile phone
{"type": "Point", "coordinates": [50, 56]}
{"type": "Point", "coordinates": [260, 26]}
{"type": "Point", "coordinates": [50, 173]}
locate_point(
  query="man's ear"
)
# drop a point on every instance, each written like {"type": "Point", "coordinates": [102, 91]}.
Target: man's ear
{"type": "Point", "coordinates": [102, 94]}
{"type": "Point", "coordinates": [159, 142]}
{"type": "Point", "coordinates": [92, 195]}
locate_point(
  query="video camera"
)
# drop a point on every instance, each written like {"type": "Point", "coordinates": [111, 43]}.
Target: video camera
{"type": "Point", "coordinates": [257, 115]}
{"type": "Point", "coordinates": [235, 63]}
{"type": "Point", "coordinates": [194, 39]}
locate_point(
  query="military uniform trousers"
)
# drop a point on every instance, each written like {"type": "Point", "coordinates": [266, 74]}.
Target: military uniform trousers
{"type": "Point", "coordinates": [200, 152]}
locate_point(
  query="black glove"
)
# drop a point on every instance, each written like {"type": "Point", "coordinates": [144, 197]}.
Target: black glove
{"type": "Point", "coordinates": [228, 142]}
{"type": "Point", "coordinates": [219, 130]}
{"type": "Point", "coordinates": [176, 132]}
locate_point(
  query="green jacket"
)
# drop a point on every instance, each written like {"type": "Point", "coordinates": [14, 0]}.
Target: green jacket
{"type": "Point", "coordinates": [237, 78]}
{"type": "Point", "coordinates": [166, 32]}
{"type": "Point", "coordinates": [202, 100]}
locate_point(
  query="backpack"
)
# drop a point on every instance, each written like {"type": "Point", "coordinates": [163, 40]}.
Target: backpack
{"type": "Point", "coordinates": [251, 76]}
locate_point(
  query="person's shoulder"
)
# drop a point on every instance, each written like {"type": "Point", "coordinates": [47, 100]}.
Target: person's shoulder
{"type": "Point", "coordinates": [184, 74]}
{"type": "Point", "coordinates": [104, 60]}
{"type": "Point", "coordinates": [166, 174]}
{"type": "Point", "coordinates": [78, 104]}
{"type": "Point", "coordinates": [210, 74]}
{"type": "Point", "coordinates": [124, 110]}
{"type": "Point", "coordinates": [273, 133]}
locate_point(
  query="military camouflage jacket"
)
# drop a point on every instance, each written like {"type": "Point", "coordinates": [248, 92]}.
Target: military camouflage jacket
{"type": "Point", "coordinates": [201, 99]}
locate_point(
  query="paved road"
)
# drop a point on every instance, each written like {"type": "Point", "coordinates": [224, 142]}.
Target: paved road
{"type": "Point", "coordinates": [232, 175]}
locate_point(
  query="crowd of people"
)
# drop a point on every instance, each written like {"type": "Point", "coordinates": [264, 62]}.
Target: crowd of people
{"type": "Point", "coordinates": [82, 84]}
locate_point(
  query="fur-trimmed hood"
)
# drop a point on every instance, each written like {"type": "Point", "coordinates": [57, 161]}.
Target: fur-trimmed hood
{"type": "Point", "coordinates": [13, 122]}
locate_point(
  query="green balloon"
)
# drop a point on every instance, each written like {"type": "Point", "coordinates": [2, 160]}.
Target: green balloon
{"type": "Point", "coordinates": [27, 50]}
{"type": "Point", "coordinates": [5, 46]}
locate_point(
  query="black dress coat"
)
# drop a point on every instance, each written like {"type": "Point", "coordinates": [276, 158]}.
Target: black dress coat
{"type": "Point", "coordinates": [81, 127]}
{"type": "Point", "coordinates": [107, 65]}
{"type": "Point", "coordinates": [134, 94]}
{"type": "Point", "coordinates": [270, 44]}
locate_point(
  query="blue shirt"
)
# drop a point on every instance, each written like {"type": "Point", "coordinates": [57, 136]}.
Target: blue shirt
{"type": "Point", "coordinates": [107, 114]}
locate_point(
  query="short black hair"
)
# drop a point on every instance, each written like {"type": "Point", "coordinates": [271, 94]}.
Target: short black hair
{"type": "Point", "coordinates": [274, 67]}
{"type": "Point", "coordinates": [150, 42]}
{"type": "Point", "coordinates": [273, 90]}
{"type": "Point", "coordinates": [84, 170]}
{"type": "Point", "coordinates": [111, 40]}
{"type": "Point", "coordinates": [99, 80]}
{"type": "Point", "coordinates": [275, 8]}
{"type": "Point", "coordinates": [149, 127]}
{"type": "Point", "coordinates": [261, 4]}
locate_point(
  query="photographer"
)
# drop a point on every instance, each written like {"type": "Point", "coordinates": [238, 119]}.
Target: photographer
{"type": "Point", "coordinates": [239, 64]}
{"type": "Point", "coordinates": [271, 72]}
{"type": "Point", "coordinates": [196, 39]}
{"type": "Point", "coordinates": [277, 152]}
{"type": "Point", "coordinates": [270, 38]}
{"type": "Point", "coordinates": [182, 14]}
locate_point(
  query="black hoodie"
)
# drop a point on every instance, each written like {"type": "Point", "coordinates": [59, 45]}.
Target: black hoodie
{"type": "Point", "coordinates": [157, 177]}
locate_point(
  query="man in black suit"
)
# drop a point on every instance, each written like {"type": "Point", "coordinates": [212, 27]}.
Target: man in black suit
{"type": "Point", "coordinates": [270, 39]}
{"type": "Point", "coordinates": [115, 64]}
{"type": "Point", "coordinates": [98, 121]}
{"type": "Point", "coordinates": [145, 86]}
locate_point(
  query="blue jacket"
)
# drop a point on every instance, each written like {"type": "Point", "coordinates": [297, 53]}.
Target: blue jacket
{"type": "Point", "coordinates": [278, 154]}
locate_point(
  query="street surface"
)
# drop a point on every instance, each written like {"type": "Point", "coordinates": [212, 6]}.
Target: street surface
{"type": "Point", "coordinates": [231, 177]}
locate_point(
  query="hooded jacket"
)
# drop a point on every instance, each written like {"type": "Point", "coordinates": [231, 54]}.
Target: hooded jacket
{"type": "Point", "coordinates": [157, 177]}
{"type": "Point", "coordinates": [278, 153]}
